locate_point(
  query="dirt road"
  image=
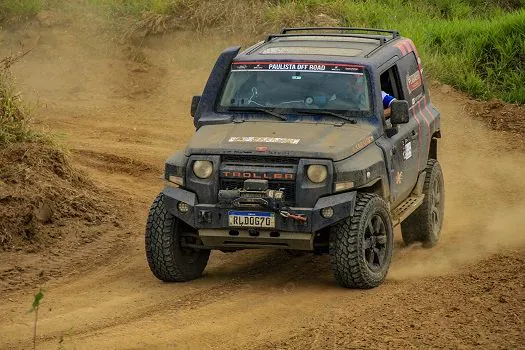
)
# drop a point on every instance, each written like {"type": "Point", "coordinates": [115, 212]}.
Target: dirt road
{"type": "Point", "coordinates": [468, 292]}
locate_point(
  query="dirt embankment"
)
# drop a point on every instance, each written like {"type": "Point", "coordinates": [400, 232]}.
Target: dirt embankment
{"type": "Point", "coordinates": [41, 193]}
{"type": "Point", "coordinates": [47, 208]}
{"type": "Point", "coordinates": [504, 117]}
{"type": "Point", "coordinates": [468, 292]}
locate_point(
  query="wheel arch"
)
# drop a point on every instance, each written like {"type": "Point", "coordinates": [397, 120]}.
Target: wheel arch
{"type": "Point", "coordinates": [433, 149]}
{"type": "Point", "coordinates": [379, 186]}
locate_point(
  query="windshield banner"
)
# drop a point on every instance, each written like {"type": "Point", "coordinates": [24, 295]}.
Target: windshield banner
{"type": "Point", "coordinates": [298, 67]}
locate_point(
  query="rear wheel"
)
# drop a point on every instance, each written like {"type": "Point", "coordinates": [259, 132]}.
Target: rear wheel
{"type": "Point", "coordinates": [424, 224]}
{"type": "Point", "coordinates": [167, 239]}
{"type": "Point", "coordinates": [361, 246]}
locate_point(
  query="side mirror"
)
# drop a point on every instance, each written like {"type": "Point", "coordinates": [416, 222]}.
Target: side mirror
{"type": "Point", "coordinates": [194, 104]}
{"type": "Point", "coordinates": [400, 113]}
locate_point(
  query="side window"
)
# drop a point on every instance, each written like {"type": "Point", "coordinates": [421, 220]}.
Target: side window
{"type": "Point", "coordinates": [410, 78]}
{"type": "Point", "coordinates": [390, 83]}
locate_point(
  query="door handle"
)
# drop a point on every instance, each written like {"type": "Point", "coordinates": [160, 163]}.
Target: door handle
{"type": "Point", "coordinates": [414, 134]}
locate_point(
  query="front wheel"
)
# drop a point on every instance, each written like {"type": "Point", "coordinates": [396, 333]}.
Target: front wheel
{"type": "Point", "coordinates": [167, 238]}
{"type": "Point", "coordinates": [361, 246]}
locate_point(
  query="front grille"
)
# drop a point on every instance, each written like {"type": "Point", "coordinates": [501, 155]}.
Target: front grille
{"type": "Point", "coordinates": [259, 160]}
{"type": "Point", "coordinates": [287, 186]}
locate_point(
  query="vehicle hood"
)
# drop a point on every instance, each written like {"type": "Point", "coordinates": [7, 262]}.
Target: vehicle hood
{"type": "Point", "coordinates": [309, 140]}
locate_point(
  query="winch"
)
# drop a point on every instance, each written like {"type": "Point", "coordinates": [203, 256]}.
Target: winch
{"type": "Point", "coordinates": [256, 194]}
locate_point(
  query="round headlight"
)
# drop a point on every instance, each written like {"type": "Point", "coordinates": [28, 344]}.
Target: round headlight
{"type": "Point", "coordinates": [317, 173]}
{"type": "Point", "coordinates": [202, 168]}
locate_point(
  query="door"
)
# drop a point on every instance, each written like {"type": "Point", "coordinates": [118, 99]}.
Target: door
{"type": "Point", "coordinates": [405, 146]}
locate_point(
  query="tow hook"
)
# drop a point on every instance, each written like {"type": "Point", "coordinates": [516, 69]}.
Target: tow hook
{"type": "Point", "coordinates": [296, 217]}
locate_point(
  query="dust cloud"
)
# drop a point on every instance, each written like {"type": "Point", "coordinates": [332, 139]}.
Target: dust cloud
{"type": "Point", "coordinates": [500, 232]}
{"type": "Point", "coordinates": [485, 197]}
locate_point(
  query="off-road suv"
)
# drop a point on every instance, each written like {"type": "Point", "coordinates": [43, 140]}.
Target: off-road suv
{"type": "Point", "coordinates": [294, 150]}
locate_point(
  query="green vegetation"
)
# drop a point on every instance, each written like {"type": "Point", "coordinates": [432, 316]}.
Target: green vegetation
{"type": "Point", "coordinates": [14, 117]}
{"type": "Point", "coordinates": [486, 58]}
{"type": "Point", "coordinates": [34, 308]}
{"type": "Point", "coordinates": [19, 8]}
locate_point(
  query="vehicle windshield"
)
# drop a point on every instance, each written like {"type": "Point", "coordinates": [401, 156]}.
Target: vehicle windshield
{"type": "Point", "coordinates": [292, 87]}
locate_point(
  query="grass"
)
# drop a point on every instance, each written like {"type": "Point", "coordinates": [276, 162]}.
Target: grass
{"type": "Point", "coordinates": [10, 9]}
{"type": "Point", "coordinates": [491, 58]}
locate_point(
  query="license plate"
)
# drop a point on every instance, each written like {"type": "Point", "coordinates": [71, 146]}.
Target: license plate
{"type": "Point", "coordinates": [251, 219]}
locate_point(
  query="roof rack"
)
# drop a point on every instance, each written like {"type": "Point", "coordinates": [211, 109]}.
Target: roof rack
{"type": "Point", "coordinates": [394, 33]}
{"type": "Point", "coordinates": [382, 39]}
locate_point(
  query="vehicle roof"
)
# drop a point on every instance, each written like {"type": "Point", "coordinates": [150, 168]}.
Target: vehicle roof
{"type": "Point", "coordinates": [322, 45]}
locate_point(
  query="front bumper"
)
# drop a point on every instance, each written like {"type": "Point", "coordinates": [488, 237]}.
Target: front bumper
{"type": "Point", "coordinates": [210, 216]}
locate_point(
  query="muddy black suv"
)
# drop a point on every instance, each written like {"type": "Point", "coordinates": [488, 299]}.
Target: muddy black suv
{"type": "Point", "coordinates": [300, 146]}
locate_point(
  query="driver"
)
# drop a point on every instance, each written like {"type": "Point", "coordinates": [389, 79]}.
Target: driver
{"type": "Point", "coordinates": [355, 87]}
{"type": "Point", "coordinates": [353, 96]}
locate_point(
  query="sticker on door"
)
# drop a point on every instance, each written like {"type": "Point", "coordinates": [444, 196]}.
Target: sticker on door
{"type": "Point", "coordinates": [407, 151]}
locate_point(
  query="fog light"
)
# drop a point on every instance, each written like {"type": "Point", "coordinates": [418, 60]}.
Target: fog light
{"type": "Point", "coordinates": [183, 207]}
{"type": "Point", "coordinates": [327, 212]}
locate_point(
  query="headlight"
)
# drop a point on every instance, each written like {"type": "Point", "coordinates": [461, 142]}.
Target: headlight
{"type": "Point", "coordinates": [317, 173]}
{"type": "Point", "coordinates": [202, 168]}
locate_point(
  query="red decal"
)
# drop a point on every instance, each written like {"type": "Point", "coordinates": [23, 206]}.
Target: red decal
{"type": "Point", "coordinates": [413, 108]}
{"type": "Point", "coordinates": [258, 175]}
{"type": "Point", "coordinates": [413, 81]}
{"type": "Point", "coordinates": [298, 62]}
{"type": "Point", "coordinates": [407, 46]}
{"type": "Point", "coordinates": [412, 46]}
{"type": "Point", "coordinates": [261, 149]}
{"type": "Point", "coordinates": [428, 124]}
{"type": "Point", "coordinates": [430, 115]}
{"type": "Point", "coordinates": [401, 48]}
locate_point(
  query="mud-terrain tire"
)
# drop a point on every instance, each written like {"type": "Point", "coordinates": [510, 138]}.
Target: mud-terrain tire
{"type": "Point", "coordinates": [424, 224]}
{"type": "Point", "coordinates": [167, 259]}
{"type": "Point", "coordinates": [361, 246]}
